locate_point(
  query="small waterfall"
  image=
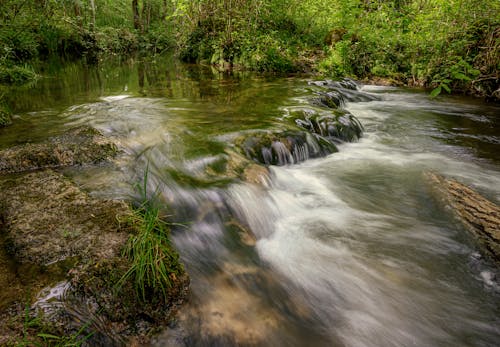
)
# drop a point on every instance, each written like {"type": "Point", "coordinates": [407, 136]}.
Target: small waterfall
{"type": "Point", "coordinates": [286, 147]}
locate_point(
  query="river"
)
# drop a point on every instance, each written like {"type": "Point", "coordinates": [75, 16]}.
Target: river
{"type": "Point", "coordinates": [351, 249]}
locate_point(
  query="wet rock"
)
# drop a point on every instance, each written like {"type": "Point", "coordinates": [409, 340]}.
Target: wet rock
{"type": "Point", "coordinates": [79, 146]}
{"type": "Point", "coordinates": [345, 83]}
{"type": "Point", "coordinates": [337, 127]}
{"type": "Point", "coordinates": [338, 92]}
{"type": "Point", "coordinates": [241, 167]}
{"type": "Point", "coordinates": [47, 219]}
{"type": "Point", "coordinates": [116, 314]}
{"type": "Point", "coordinates": [284, 147]}
{"type": "Point", "coordinates": [331, 99]}
{"type": "Point", "coordinates": [479, 215]}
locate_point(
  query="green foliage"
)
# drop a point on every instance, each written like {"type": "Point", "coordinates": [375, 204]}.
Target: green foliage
{"type": "Point", "coordinates": [4, 114]}
{"type": "Point", "coordinates": [441, 44]}
{"type": "Point", "coordinates": [155, 264]}
{"type": "Point", "coordinates": [446, 45]}
{"type": "Point", "coordinates": [17, 74]}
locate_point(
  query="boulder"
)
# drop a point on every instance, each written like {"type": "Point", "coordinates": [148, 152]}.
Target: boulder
{"type": "Point", "coordinates": [284, 147]}
{"type": "Point", "coordinates": [83, 145]}
{"type": "Point", "coordinates": [336, 126]}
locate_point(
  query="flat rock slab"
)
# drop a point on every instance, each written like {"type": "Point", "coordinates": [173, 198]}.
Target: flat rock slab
{"type": "Point", "coordinates": [479, 215]}
{"type": "Point", "coordinates": [47, 218]}
{"type": "Point", "coordinates": [83, 145]}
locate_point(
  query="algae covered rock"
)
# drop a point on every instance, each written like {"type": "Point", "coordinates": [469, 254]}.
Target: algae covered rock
{"type": "Point", "coordinates": [336, 126]}
{"type": "Point", "coordinates": [47, 219]}
{"type": "Point", "coordinates": [78, 146]}
{"type": "Point", "coordinates": [334, 94]}
{"type": "Point", "coordinates": [284, 147]}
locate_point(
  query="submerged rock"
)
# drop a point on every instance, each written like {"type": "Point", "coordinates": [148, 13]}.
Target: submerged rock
{"type": "Point", "coordinates": [79, 146]}
{"type": "Point", "coordinates": [241, 167]}
{"type": "Point", "coordinates": [284, 147]}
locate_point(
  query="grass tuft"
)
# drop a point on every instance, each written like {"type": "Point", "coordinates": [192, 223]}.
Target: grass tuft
{"type": "Point", "coordinates": [155, 265]}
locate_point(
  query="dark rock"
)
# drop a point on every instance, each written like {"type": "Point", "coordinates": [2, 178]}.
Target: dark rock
{"type": "Point", "coordinates": [79, 146]}
{"type": "Point", "coordinates": [338, 92]}
{"type": "Point", "coordinates": [332, 99]}
{"type": "Point", "coordinates": [344, 83]}
{"type": "Point", "coordinates": [337, 127]}
{"type": "Point", "coordinates": [284, 147]}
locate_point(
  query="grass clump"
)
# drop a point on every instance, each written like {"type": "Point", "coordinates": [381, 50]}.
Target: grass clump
{"type": "Point", "coordinates": [155, 267]}
{"type": "Point", "coordinates": [36, 333]}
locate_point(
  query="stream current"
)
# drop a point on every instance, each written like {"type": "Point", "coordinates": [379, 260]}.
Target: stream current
{"type": "Point", "coordinates": [352, 249]}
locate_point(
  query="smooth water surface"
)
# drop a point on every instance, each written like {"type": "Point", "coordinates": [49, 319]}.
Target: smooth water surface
{"type": "Point", "coordinates": [353, 249]}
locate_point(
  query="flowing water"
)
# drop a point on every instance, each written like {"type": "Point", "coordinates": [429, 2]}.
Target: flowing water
{"type": "Point", "coordinates": [352, 249]}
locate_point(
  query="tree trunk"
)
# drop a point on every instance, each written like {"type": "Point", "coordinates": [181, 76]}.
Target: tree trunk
{"type": "Point", "coordinates": [479, 215]}
{"type": "Point", "coordinates": [92, 20]}
{"type": "Point", "coordinates": [135, 11]}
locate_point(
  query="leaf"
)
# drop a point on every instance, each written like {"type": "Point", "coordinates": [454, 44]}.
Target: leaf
{"type": "Point", "coordinates": [435, 92]}
{"type": "Point", "coordinates": [461, 76]}
{"type": "Point", "coordinates": [49, 336]}
{"type": "Point", "coordinates": [445, 87]}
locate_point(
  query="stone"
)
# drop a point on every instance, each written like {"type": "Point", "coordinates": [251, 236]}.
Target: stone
{"type": "Point", "coordinates": [83, 145]}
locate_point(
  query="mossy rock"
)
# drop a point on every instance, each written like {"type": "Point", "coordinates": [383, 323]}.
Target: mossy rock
{"type": "Point", "coordinates": [345, 83]}
{"type": "Point", "coordinates": [47, 219]}
{"type": "Point", "coordinates": [284, 147]}
{"type": "Point", "coordinates": [331, 99]}
{"type": "Point", "coordinates": [93, 287]}
{"type": "Point", "coordinates": [339, 92]}
{"type": "Point", "coordinates": [78, 146]}
{"type": "Point", "coordinates": [339, 126]}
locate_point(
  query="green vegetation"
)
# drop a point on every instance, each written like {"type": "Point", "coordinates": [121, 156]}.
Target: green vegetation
{"type": "Point", "coordinates": [155, 265]}
{"type": "Point", "coordinates": [441, 44]}
{"type": "Point", "coordinates": [36, 333]}
{"type": "Point", "coordinates": [4, 114]}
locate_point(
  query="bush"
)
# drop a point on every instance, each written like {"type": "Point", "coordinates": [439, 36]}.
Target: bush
{"type": "Point", "coordinates": [17, 74]}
